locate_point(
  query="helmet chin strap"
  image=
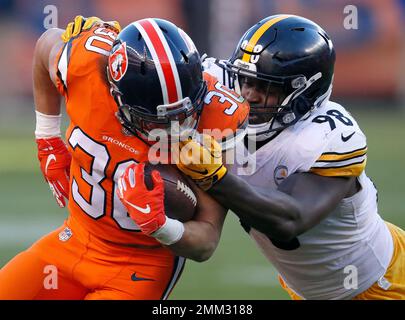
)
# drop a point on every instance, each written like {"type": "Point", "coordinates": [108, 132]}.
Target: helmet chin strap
{"type": "Point", "coordinates": [261, 131]}
{"type": "Point", "coordinates": [266, 130]}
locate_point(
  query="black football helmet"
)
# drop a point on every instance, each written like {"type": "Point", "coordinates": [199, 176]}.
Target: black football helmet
{"type": "Point", "coordinates": [291, 54]}
{"type": "Point", "coordinates": [155, 75]}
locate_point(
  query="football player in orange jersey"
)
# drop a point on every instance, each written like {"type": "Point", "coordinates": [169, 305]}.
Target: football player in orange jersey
{"type": "Point", "coordinates": [154, 74]}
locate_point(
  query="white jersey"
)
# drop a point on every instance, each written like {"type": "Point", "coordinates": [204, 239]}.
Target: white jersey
{"type": "Point", "coordinates": [351, 238]}
{"type": "Point", "coordinates": [210, 65]}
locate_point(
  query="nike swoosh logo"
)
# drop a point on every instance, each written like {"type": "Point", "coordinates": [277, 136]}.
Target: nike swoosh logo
{"type": "Point", "coordinates": [344, 139]}
{"type": "Point", "coordinates": [200, 172]}
{"type": "Point", "coordinates": [145, 210]}
{"type": "Point", "coordinates": [48, 161]}
{"type": "Point", "coordinates": [135, 278]}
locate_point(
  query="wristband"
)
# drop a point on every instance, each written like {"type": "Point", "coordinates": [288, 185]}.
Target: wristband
{"type": "Point", "coordinates": [170, 232]}
{"type": "Point", "coordinates": [47, 126]}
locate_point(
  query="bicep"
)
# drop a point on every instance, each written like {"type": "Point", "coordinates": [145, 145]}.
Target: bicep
{"type": "Point", "coordinates": [46, 96]}
{"type": "Point", "coordinates": [47, 48]}
{"type": "Point", "coordinates": [53, 53]}
{"type": "Point", "coordinates": [316, 196]}
{"type": "Point", "coordinates": [202, 233]}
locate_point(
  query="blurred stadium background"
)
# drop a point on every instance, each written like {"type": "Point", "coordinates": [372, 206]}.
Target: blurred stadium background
{"type": "Point", "coordinates": [369, 81]}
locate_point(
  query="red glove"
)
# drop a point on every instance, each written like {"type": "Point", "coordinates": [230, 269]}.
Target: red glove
{"type": "Point", "coordinates": [55, 166]}
{"type": "Point", "coordinates": [145, 207]}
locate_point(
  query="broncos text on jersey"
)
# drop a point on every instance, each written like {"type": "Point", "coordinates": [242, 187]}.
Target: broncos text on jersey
{"type": "Point", "coordinates": [101, 150]}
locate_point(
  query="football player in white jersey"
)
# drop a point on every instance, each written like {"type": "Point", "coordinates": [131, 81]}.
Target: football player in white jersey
{"type": "Point", "coordinates": [303, 194]}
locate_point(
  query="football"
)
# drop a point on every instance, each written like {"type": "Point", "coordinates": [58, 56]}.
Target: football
{"type": "Point", "coordinates": [180, 201]}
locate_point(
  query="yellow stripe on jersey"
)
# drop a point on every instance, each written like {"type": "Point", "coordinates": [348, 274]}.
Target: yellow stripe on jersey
{"type": "Point", "coordinates": [259, 32]}
{"type": "Point", "coordinates": [351, 170]}
{"type": "Point", "coordinates": [334, 156]}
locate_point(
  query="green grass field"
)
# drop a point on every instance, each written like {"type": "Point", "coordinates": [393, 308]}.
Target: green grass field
{"type": "Point", "coordinates": [237, 270]}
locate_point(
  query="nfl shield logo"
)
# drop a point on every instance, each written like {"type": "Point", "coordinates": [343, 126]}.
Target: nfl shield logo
{"type": "Point", "coordinates": [65, 234]}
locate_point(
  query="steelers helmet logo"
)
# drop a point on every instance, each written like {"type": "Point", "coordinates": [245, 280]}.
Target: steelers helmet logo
{"type": "Point", "coordinates": [118, 62]}
{"type": "Point", "coordinates": [280, 173]}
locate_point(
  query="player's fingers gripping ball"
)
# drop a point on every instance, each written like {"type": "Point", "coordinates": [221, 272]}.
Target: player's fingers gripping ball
{"type": "Point", "coordinates": [146, 207]}
{"type": "Point", "coordinates": [201, 160]}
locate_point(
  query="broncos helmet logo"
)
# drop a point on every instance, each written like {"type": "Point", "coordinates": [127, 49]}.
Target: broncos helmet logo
{"type": "Point", "coordinates": [118, 62]}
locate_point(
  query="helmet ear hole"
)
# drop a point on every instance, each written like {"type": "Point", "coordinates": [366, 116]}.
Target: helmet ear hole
{"type": "Point", "coordinates": [301, 105]}
{"type": "Point", "coordinates": [143, 68]}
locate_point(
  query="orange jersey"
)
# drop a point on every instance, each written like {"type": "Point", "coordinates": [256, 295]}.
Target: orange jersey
{"type": "Point", "coordinates": [225, 114]}
{"type": "Point", "coordinates": [100, 150]}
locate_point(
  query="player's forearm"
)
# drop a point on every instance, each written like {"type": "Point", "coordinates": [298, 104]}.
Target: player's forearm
{"type": "Point", "coordinates": [46, 97]}
{"type": "Point", "coordinates": [198, 242]}
{"type": "Point", "coordinates": [273, 213]}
